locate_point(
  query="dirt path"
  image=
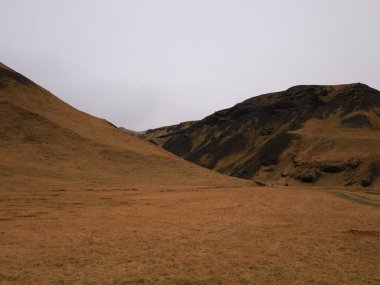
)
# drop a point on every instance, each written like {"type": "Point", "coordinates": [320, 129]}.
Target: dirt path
{"type": "Point", "coordinates": [355, 198]}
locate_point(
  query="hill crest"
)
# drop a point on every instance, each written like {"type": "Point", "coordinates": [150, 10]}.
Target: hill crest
{"type": "Point", "coordinates": [46, 143]}
{"type": "Point", "coordinates": [282, 137]}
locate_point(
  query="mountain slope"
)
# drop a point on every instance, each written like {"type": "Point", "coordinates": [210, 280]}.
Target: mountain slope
{"type": "Point", "coordinates": [326, 135]}
{"type": "Point", "coordinates": [46, 143]}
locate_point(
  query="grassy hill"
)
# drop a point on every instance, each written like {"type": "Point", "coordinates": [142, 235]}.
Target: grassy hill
{"type": "Point", "coordinates": [46, 143]}
{"type": "Point", "coordinates": [319, 135]}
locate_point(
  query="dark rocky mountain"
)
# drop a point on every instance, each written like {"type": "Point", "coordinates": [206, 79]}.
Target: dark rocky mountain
{"type": "Point", "coordinates": [325, 135]}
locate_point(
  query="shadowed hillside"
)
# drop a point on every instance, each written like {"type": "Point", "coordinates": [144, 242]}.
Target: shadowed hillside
{"type": "Point", "coordinates": [46, 143]}
{"type": "Point", "coordinates": [322, 135]}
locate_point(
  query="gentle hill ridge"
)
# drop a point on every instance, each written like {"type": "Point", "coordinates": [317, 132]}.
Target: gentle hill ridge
{"type": "Point", "coordinates": [46, 143]}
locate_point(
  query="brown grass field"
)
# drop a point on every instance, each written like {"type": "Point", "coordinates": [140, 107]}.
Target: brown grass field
{"type": "Point", "coordinates": [145, 235]}
{"type": "Point", "coordinates": [82, 202]}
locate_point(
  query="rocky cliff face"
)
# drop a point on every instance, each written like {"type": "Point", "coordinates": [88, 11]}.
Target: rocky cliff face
{"type": "Point", "coordinates": [322, 135]}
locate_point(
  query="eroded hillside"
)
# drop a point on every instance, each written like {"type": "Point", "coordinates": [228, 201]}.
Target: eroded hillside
{"type": "Point", "coordinates": [322, 135]}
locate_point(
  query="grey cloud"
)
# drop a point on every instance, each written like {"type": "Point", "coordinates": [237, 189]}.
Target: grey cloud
{"type": "Point", "coordinates": [147, 63]}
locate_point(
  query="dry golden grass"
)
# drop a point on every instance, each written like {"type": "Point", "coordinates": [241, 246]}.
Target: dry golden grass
{"type": "Point", "coordinates": [84, 203]}
{"type": "Point", "coordinates": [322, 143]}
{"type": "Point", "coordinates": [187, 236]}
{"type": "Point", "coordinates": [45, 144]}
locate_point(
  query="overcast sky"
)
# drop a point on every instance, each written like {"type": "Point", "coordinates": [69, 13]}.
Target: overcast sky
{"type": "Point", "coordinates": [143, 64]}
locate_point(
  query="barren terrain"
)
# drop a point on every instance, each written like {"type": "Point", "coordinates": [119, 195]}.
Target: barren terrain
{"type": "Point", "coordinates": [82, 202]}
{"type": "Point", "coordinates": [188, 236]}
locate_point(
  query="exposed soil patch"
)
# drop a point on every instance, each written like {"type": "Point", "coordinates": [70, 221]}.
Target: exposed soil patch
{"type": "Point", "coordinates": [10, 74]}
{"type": "Point", "coordinates": [363, 233]}
{"type": "Point", "coordinates": [356, 121]}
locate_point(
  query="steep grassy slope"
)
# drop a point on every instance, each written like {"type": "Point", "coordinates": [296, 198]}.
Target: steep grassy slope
{"type": "Point", "coordinates": [46, 143]}
{"type": "Point", "coordinates": [326, 135]}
